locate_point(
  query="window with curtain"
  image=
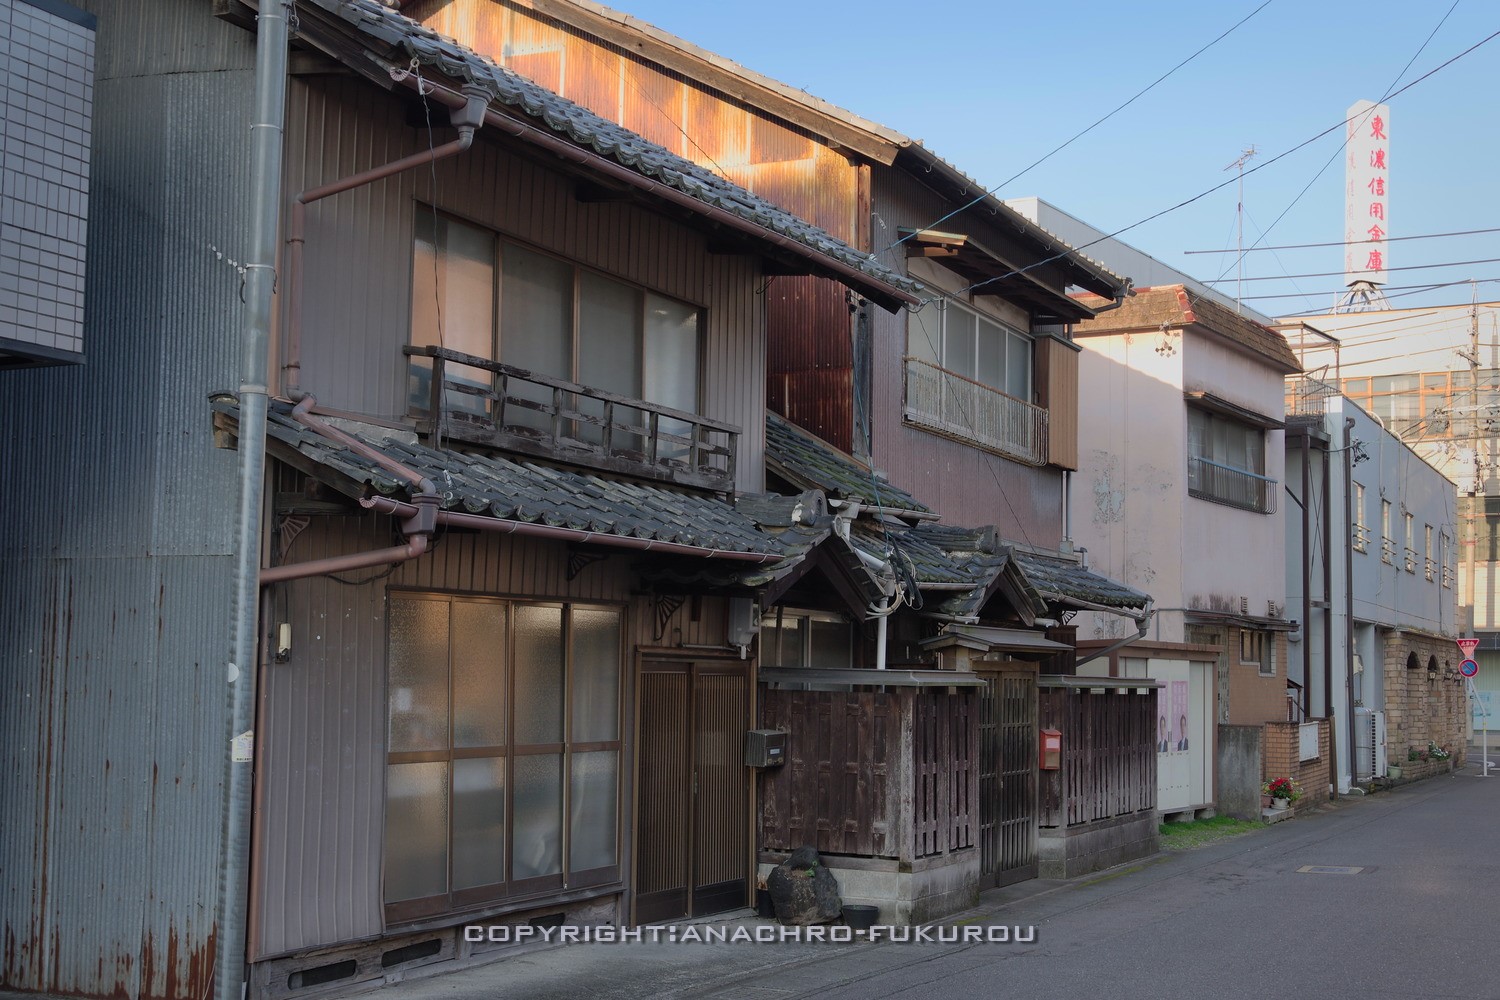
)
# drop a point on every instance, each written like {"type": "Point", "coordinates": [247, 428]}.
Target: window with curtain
{"type": "Point", "coordinates": [474, 292]}
{"type": "Point", "coordinates": [503, 750]}
{"type": "Point", "coordinates": [1227, 462]}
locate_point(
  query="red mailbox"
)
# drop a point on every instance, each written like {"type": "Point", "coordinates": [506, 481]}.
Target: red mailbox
{"type": "Point", "coordinates": [1051, 750]}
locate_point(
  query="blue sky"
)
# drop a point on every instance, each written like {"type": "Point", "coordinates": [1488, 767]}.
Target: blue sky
{"type": "Point", "coordinates": [992, 86]}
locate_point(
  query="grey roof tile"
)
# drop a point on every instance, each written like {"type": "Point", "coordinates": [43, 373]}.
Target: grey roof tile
{"type": "Point", "coordinates": [808, 461]}
{"type": "Point", "coordinates": [1061, 577]}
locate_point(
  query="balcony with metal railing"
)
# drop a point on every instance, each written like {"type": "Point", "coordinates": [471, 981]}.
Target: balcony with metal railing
{"type": "Point", "coordinates": [1225, 484]}
{"type": "Point", "coordinates": [462, 398]}
{"type": "Point", "coordinates": [954, 406]}
{"type": "Point", "coordinates": [1361, 537]}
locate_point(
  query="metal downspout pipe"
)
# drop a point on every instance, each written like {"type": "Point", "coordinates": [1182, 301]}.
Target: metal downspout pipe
{"type": "Point", "coordinates": [1348, 548]}
{"type": "Point", "coordinates": [1306, 560]}
{"type": "Point", "coordinates": [1328, 709]}
{"type": "Point", "coordinates": [1143, 626]}
{"type": "Point", "coordinates": [265, 193]}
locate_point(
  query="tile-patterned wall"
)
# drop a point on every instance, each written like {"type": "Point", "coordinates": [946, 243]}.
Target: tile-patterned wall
{"type": "Point", "coordinates": [47, 100]}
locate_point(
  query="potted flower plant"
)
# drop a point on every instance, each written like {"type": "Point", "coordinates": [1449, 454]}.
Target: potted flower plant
{"type": "Point", "coordinates": [1283, 792]}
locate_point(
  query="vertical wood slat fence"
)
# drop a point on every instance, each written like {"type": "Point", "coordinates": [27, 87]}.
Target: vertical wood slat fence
{"type": "Point", "coordinates": [889, 774]}
{"type": "Point", "coordinates": [1108, 754]}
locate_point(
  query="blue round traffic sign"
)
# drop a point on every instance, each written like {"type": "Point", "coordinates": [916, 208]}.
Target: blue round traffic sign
{"type": "Point", "coordinates": [1468, 668]}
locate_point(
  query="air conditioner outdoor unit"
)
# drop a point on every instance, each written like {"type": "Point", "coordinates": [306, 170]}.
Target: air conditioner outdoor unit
{"type": "Point", "coordinates": [1369, 744]}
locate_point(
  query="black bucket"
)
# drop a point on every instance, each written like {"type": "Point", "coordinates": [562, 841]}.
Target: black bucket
{"type": "Point", "coordinates": [861, 917]}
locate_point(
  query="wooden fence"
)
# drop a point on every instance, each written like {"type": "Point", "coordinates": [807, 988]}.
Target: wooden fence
{"type": "Point", "coordinates": [890, 774]}
{"type": "Point", "coordinates": [1108, 754]}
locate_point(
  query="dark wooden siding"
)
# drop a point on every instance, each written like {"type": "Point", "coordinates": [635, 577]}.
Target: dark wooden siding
{"type": "Point", "coordinates": [1057, 387]}
{"type": "Point", "coordinates": [1108, 755]}
{"type": "Point", "coordinates": [357, 308]}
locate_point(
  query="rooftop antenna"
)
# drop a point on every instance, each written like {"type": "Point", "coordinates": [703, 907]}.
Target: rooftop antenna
{"type": "Point", "coordinates": [1239, 223]}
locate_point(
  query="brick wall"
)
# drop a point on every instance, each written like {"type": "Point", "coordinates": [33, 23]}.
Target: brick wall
{"type": "Point", "coordinates": [1422, 704]}
{"type": "Point", "coordinates": [1253, 697]}
{"type": "Point", "coordinates": [1281, 759]}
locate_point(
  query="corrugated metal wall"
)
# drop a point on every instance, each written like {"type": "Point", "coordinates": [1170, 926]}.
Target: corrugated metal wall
{"type": "Point", "coordinates": [964, 484]}
{"type": "Point", "coordinates": [357, 310]}
{"type": "Point", "coordinates": [322, 728]}
{"type": "Point", "coordinates": [114, 551]}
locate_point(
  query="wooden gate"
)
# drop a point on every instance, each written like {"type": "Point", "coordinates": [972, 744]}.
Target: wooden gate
{"type": "Point", "coordinates": [692, 807]}
{"type": "Point", "coordinates": [1007, 778]}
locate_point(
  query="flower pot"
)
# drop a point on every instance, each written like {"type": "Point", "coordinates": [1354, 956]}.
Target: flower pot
{"type": "Point", "coordinates": [860, 916]}
{"type": "Point", "coordinates": [1393, 772]}
{"type": "Point", "coordinates": [1279, 804]}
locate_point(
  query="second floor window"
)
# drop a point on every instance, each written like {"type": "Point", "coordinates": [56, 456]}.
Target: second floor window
{"type": "Point", "coordinates": [485, 296]}
{"type": "Point", "coordinates": [1361, 528]}
{"type": "Point", "coordinates": [1227, 462]}
{"type": "Point", "coordinates": [965, 342]}
{"type": "Point", "coordinates": [1387, 543]}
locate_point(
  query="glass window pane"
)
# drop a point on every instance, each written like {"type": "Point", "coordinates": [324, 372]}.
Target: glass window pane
{"type": "Point", "coordinates": [592, 825]}
{"type": "Point", "coordinates": [416, 830]}
{"type": "Point", "coordinates": [539, 675]}
{"type": "Point", "coordinates": [1018, 367]}
{"type": "Point", "coordinates": [924, 334]}
{"type": "Point", "coordinates": [453, 302]}
{"type": "Point", "coordinates": [672, 367]}
{"type": "Point", "coordinates": [831, 645]}
{"type": "Point", "coordinates": [609, 335]}
{"type": "Point", "coordinates": [536, 328]}
{"type": "Point", "coordinates": [785, 644]}
{"type": "Point", "coordinates": [958, 341]}
{"type": "Point", "coordinates": [538, 818]}
{"type": "Point", "coordinates": [596, 675]}
{"type": "Point", "coordinates": [991, 364]}
{"type": "Point", "coordinates": [478, 674]}
{"type": "Point", "coordinates": [478, 822]}
{"type": "Point", "coordinates": [418, 675]}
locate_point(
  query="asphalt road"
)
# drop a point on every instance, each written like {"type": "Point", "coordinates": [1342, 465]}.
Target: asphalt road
{"type": "Point", "coordinates": [1236, 919]}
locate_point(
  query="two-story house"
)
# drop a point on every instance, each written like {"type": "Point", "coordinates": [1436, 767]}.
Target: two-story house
{"type": "Point", "coordinates": [520, 367]}
{"type": "Point", "coordinates": [1179, 493]}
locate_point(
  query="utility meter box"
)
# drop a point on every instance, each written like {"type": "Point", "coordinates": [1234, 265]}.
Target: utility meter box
{"type": "Point", "coordinates": [1051, 750]}
{"type": "Point", "coordinates": [765, 748]}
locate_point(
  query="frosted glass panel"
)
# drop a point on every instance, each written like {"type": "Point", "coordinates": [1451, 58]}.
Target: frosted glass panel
{"type": "Point", "coordinates": [416, 830]}
{"type": "Point", "coordinates": [478, 822]}
{"type": "Point", "coordinates": [596, 675]}
{"type": "Point", "coordinates": [417, 680]}
{"type": "Point", "coordinates": [538, 820]}
{"type": "Point", "coordinates": [671, 366]}
{"type": "Point", "coordinates": [609, 335]}
{"type": "Point", "coordinates": [478, 674]}
{"type": "Point", "coordinates": [452, 300]}
{"type": "Point", "coordinates": [539, 675]}
{"type": "Point", "coordinates": [924, 338]}
{"type": "Point", "coordinates": [958, 341]}
{"type": "Point", "coordinates": [536, 326]}
{"type": "Point", "coordinates": [592, 825]}
{"type": "Point", "coordinates": [991, 365]}
{"type": "Point", "coordinates": [782, 647]}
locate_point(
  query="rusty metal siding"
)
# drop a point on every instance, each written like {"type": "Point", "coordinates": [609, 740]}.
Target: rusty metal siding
{"type": "Point", "coordinates": [356, 312]}
{"type": "Point", "coordinates": [963, 483]}
{"type": "Point", "coordinates": [114, 596]}
{"type": "Point", "coordinates": [322, 729]}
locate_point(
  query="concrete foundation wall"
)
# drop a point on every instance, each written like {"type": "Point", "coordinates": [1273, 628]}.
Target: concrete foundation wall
{"type": "Point", "coordinates": [1238, 768]}
{"type": "Point", "coordinates": [1068, 853]}
{"type": "Point", "coordinates": [929, 890]}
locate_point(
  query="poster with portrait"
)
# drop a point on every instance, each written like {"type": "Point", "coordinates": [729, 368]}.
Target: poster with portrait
{"type": "Point", "coordinates": [1177, 717]}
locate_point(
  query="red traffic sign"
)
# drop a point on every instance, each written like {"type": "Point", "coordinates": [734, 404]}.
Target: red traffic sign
{"type": "Point", "coordinates": [1468, 668]}
{"type": "Point", "coordinates": [1467, 646]}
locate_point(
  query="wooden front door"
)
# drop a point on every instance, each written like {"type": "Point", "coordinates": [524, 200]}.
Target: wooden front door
{"type": "Point", "coordinates": [693, 789]}
{"type": "Point", "coordinates": [1007, 778]}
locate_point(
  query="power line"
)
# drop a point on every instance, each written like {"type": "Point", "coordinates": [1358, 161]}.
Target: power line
{"type": "Point", "coordinates": [1340, 243]}
{"type": "Point", "coordinates": [1203, 194]}
{"type": "Point", "coordinates": [1139, 94]}
{"type": "Point", "coordinates": [1335, 274]}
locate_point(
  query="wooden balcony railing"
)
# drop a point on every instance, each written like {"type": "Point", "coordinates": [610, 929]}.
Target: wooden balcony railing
{"type": "Point", "coordinates": [957, 407]}
{"type": "Point", "coordinates": [468, 399]}
{"type": "Point", "coordinates": [1225, 484]}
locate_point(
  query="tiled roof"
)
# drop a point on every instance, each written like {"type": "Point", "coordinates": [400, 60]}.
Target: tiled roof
{"type": "Point", "coordinates": [808, 461]}
{"type": "Point", "coordinates": [605, 137]}
{"type": "Point", "coordinates": [1178, 306]}
{"type": "Point", "coordinates": [1061, 578]}
{"type": "Point", "coordinates": [513, 490]}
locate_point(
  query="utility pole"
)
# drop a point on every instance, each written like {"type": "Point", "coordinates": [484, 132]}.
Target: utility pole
{"type": "Point", "coordinates": [1477, 491]}
{"type": "Point", "coordinates": [1239, 224]}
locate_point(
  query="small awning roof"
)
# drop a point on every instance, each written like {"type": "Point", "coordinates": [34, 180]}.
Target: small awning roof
{"type": "Point", "coordinates": [1003, 640]}
{"type": "Point", "coordinates": [839, 677]}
